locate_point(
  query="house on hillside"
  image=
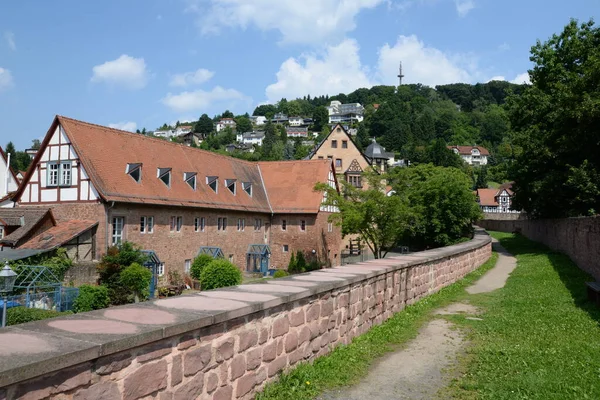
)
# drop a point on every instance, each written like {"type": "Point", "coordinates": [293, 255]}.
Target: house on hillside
{"type": "Point", "coordinates": [258, 120]}
{"type": "Point", "coordinates": [296, 121]}
{"type": "Point", "coordinates": [244, 148]}
{"type": "Point", "coordinates": [472, 155]}
{"type": "Point", "coordinates": [9, 182]}
{"type": "Point", "coordinates": [496, 200]}
{"type": "Point", "coordinates": [225, 123]}
{"type": "Point", "coordinates": [251, 138]}
{"type": "Point", "coordinates": [345, 113]}
{"type": "Point", "coordinates": [183, 129]}
{"type": "Point", "coordinates": [294, 132]}
{"type": "Point", "coordinates": [191, 137]}
{"type": "Point", "coordinates": [167, 134]}
{"type": "Point", "coordinates": [280, 118]}
{"type": "Point", "coordinates": [381, 159]}
{"type": "Point", "coordinates": [175, 199]}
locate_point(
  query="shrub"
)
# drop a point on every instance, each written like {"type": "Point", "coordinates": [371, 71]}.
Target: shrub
{"type": "Point", "coordinates": [113, 262]}
{"type": "Point", "coordinates": [175, 278]}
{"type": "Point", "coordinates": [314, 265]}
{"type": "Point", "coordinates": [20, 315]}
{"type": "Point", "coordinates": [292, 266]}
{"type": "Point", "coordinates": [91, 298]}
{"type": "Point", "coordinates": [220, 273]}
{"type": "Point", "coordinates": [300, 261]}
{"type": "Point", "coordinates": [170, 291]}
{"type": "Point", "coordinates": [137, 279]}
{"type": "Point", "coordinates": [280, 273]}
{"type": "Point", "coordinates": [199, 263]}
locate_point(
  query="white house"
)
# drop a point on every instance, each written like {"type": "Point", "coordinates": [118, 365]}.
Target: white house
{"type": "Point", "coordinates": [8, 180]}
{"type": "Point", "coordinates": [472, 155]}
{"type": "Point", "coordinates": [183, 129]}
{"type": "Point", "coordinates": [251, 138]}
{"type": "Point", "coordinates": [301, 132]}
{"type": "Point", "coordinates": [345, 113]}
{"type": "Point", "coordinates": [279, 118]}
{"type": "Point", "coordinates": [165, 134]}
{"type": "Point", "coordinates": [258, 120]}
{"type": "Point", "coordinates": [296, 121]}
{"type": "Point", "coordinates": [496, 200]}
{"type": "Point", "coordinates": [225, 123]}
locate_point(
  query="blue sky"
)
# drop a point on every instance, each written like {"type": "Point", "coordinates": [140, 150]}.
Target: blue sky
{"type": "Point", "coordinates": [139, 63]}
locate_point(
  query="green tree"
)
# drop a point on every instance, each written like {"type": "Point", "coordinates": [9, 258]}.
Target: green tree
{"type": "Point", "coordinates": [482, 178]}
{"type": "Point", "coordinates": [556, 122]}
{"type": "Point", "coordinates": [381, 221]}
{"type": "Point", "coordinates": [440, 155]}
{"type": "Point", "coordinates": [320, 117]}
{"type": "Point", "coordinates": [442, 202]}
{"type": "Point", "coordinates": [227, 114]}
{"type": "Point", "coordinates": [14, 162]}
{"type": "Point", "coordinates": [220, 273]}
{"type": "Point", "coordinates": [269, 140]}
{"type": "Point", "coordinates": [267, 110]}
{"type": "Point", "coordinates": [243, 124]}
{"type": "Point", "coordinates": [35, 144]}
{"type": "Point", "coordinates": [137, 279]}
{"type": "Point", "coordinates": [91, 298]}
{"type": "Point", "coordinates": [112, 263]}
{"type": "Point", "coordinates": [362, 137]}
{"type": "Point", "coordinates": [204, 125]}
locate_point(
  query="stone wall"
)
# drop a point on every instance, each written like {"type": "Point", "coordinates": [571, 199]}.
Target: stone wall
{"type": "Point", "coordinates": [503, 216]}
{"type": "Point", "coordinates": [579, 238]}
{"type": "Point", "coordinates": [220, 344]}
{"type": "Point", "coordinates": [82, 273]}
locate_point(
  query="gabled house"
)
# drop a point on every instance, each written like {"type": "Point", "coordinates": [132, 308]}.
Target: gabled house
{"type": "Point", "coordinates": [175, 199]}
{"type": "Point", "coordinates": [191, 137]}
{"type": "Point", "coordinates": [296, 121]}
{"type": "Point", "coordinates": [251, 138]}
{"type": "Point", "coordinates": [496, 200]}
{"type": "Point", "coordinates": [258, 120]}
{"type": "Point", "coordinates": [472, 155]}
{"type": "Point", "coordinates": [295, 131]}
{"type": "Point", "coordinates": [280, 118]}
{"type": "Point", "coordinates": [9, 182]}
{"type": "Point", "coordinates": [225, 123]}
{"type": "Point", "coordinates": [349, 162]}
{"type": "Point", "coordinates": [379, 157]}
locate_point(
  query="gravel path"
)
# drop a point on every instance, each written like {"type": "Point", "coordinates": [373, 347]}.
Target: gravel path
{"type": "Point", "coordinates": [420, 370]}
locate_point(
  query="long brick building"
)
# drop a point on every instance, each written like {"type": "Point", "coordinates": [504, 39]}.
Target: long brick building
{"type": "Point", "coordinates": [174, 199]}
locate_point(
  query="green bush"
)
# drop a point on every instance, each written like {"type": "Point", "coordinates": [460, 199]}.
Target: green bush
{"type": "Point", "coordinates": [137, 279]}
{"type": "Point", "coordinates": [292, 266]}
{"type": "Point", "coordinates": [198, 265]}
{"type": "Point", "coordinates": [20, 315]}
{"type": "Point", "coordinates": [91, 298]}
{"type": "Point", "coordinates": [300, 261]}
{"type": "Point", "coordinates": [113, 262]}
{"type": "Point", "coordinates": [220, 273]}
{"type": "Point", "coordinates": [314, 265]}
{"type": "Point", "coordinates": [280, 273]}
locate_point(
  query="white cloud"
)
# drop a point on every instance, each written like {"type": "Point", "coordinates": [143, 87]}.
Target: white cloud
{"type": "Point", "coordinates": [464, 6]}
{"type": "Point", "coordinates": [200, 100]}
{"type": "Point", "coordinates": [338, 71]}
{"type": "Point", "coordinates": [422, 64]}
{"type": "Point", "coordinates": [308, 21]}
{"type": "Point", "coordinates": [10, 40]}
{"type": "Point", "coordinates": [6, 79]}
{"type": "Point", "coordinates": [522, 78]}
{"type": "Point", "coordinates": [191, 78]}
{"type": "Point", "coordinates": [125, 71]}
{"type": "Point", "coordinates": [124, 126]}
{"type": "Point", "coordinates": [504, 47]}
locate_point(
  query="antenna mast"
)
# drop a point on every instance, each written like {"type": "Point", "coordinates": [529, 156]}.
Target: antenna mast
{"type": "Point", "coordinates": [400, 75]}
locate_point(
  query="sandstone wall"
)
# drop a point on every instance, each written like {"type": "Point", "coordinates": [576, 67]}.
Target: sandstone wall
{"type": "Point", "coordinates": [579, 238]}
{"type": "Point", "coordinates": [220, 344]}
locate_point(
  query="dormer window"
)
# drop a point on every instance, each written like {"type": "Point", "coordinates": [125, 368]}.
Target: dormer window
{"type": "Point", "coordinates": [247, 186]}
{"type": "Point", "coordinates": [213, 183]}
{"type": "Point", "coordinates": [475, 151]}
{"type": "Point", "coordinates": [230, 183]}
{"type": "Point", "coordinates": [190, 179]}
{"type": "Point", "coordinates": [164, 174]}
{"type": "Point", "coordinates": [134, 170]}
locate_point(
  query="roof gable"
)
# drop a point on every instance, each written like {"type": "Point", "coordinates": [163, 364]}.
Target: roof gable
{"type": "Point", "coordinates": [313, 154]}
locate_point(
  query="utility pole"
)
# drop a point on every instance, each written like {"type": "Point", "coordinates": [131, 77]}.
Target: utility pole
{"type": "Point", "coordinates": [400, 75]}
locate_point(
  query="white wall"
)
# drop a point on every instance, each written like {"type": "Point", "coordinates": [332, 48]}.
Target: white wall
{"type": "Point", "coordinates": [59, 149]}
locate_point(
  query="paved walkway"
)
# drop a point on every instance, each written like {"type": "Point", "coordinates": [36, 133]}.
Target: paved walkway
{"type": "Point", "coordinates": [418, 372]}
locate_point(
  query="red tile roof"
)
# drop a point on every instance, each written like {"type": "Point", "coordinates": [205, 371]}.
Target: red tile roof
{"type": "Point", "coordinates": [58, 235]}
{"type": "Point", "coordinates": [105, 152]}
{"type": "Point", "coordinates": [290, 184]}
{"type": "Point", "coordinates": [487, 197]}
{"type": "Point", "coordinates": [466, 150]}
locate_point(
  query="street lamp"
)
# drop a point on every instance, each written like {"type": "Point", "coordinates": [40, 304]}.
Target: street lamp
{"type": "Point", "coordinates": [7, 282]}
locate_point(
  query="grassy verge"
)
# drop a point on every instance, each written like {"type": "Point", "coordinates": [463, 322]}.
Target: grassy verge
{"type": "Point", "coordinates": [539, 338]}
{"type": "Point", "coordinates": [346, 364]}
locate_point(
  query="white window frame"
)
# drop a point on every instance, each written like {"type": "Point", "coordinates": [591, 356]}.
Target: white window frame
{"type": "Point", "coordinates": [118, 238]}
{"type": "Point", "coordinates": [285, 248]}
{"type": "Point", "coordinates": [1, 231]}
{"type": "Point", "coordinates": [52, 174]}
{"type": "Point", "coordinates": [146, 224]}
{"type": "Point", "coordinates": [160, 270]}
{"type": "Point", "coordinates": [257, 224]}
{"type": "Point", "coordinates": [66, 174]}
{"type": "Point", "coordinates": [187, 266]}
{"type": "Point", "coordinates": [330, 227]}
{"type": "Point", "coordinates": [241, 224]}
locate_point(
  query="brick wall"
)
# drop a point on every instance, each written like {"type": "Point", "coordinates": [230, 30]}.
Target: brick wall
{"type": "Point", "coordinates": [579, 238]}
{"type": "Point", "coordinates": [236, 351]}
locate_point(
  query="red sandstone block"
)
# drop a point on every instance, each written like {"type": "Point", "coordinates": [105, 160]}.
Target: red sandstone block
{"type": "Point", "coordinates": [314, 329]}
{"type": "Point", "coordinates": [247, 339]}
{"type": "Point", "coordinates": [304, 335]}
{"type": "Point", "coordinates": [296, 356]}
{"type": "Point", "coordinates": [176, 370]}
{"type": "Point", "coordinates": [291, 341]}
{"type": "Point", "coordinates": [277, 365]}
{"type": "Point", "coordinates": [147, 379]}
{"type": "Point", "coordinates": [114, 363]}
{"type": "Point", "coordinates": [253, 359]}
{"type": "Point", "coordinates": [211, 382]}
{"type": "Point", "coordinates": [269, 351]}
{"type": "Point", "coordinates": [186, 344]}
{"type": "Point", "coordinates": [313, 312]}
{"type": "Point", "coordinates": [281, 326]}
{"type": "Point", "coordinates": [245, 384]}
{"type": "Point", "coordinates": [264, 336]}
{"type": "Point", "coordinates": [99, 391]}
{"type": "Point", "coordinates": [297, 317]}
{"type": "Point", "coordinates": [225, 350]}
{"type": "Point", "coordinates": [195, 360]}
{"type": "Point", "coordinates": [238, 367]}
{"type": "Point", "coordinates": [323, 325]}
{"type": "Point", "coordinates": [261, 375]}
{"type": "Point", "coordinates": [223, 393]}
{"type": "Point", "coordinates": [192, 389]}
{"type": "Point", "coordinates": [327, 308]}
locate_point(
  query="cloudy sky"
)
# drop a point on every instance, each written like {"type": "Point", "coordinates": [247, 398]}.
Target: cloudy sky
{"type": "Point", "coordinates": [139, 63]}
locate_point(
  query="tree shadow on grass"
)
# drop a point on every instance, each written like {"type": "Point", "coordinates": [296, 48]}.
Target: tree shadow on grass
{"type": "Point", "coordinates": [572, 277]}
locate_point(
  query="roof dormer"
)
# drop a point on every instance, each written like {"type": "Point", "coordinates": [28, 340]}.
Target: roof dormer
{"type": "Point", "coordinates": [230, 184]}
{"type": "Point", "coordinates": [190, 179]}
{"type": "Point", "coordinates": [213, 183]}
{"type": "Point", "coordinates": [134, 170]}
{"type": "Point", "coordinates": [164, 174]}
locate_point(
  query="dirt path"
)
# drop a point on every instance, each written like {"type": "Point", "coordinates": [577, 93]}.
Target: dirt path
{"type": "Point", "coordinates": [419, 371]}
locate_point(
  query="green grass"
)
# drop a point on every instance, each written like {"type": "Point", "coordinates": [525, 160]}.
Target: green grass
{"type": "Point", "coordinates": [539, 338]}
{"type": "Point", "coordinates": [347, 364]}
